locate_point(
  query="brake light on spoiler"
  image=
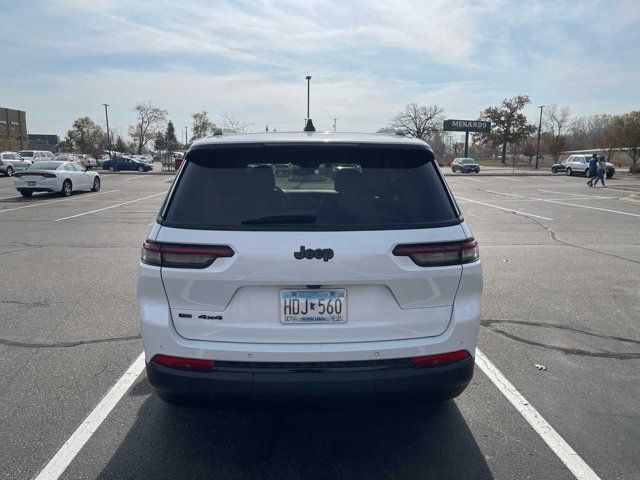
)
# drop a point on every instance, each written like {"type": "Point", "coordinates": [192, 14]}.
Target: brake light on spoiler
{"type": "Point", "coordinates": [440, 254]}
{"type": "Point", "coordinates": [35, 174]}
{"type": "Point", "coordinates": [178, 255]}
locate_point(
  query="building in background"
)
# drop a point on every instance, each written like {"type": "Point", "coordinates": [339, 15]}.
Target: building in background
{"type": "Point", "coordinates": [43, 142]}
{"type": "Point", "coordinates": [13, 130]}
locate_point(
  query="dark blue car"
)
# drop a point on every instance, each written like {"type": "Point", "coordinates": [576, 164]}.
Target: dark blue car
{"type": "Point", "coordinates": [125, 163]}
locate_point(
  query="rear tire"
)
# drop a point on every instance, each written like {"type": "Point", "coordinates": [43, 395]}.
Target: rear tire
{"type": "Point", "coordinates": [66, 188]}
{"type": "Point", "coordinates": [609, 175]}
{"type": "Point", "coordinates": [569, 172]}
{"type": "Point", "coordinates": [96, 185]}
{"type": "Point", "coordinates": [554, 170]}
{"type": "Point", "coordinates": [9, 171]}
{"type": "Point", "coordinates": [26, 193]}
{"type": "Point", "coordinates": [141, 169]}
{"type": "Point", "coordinates": [112, 168]}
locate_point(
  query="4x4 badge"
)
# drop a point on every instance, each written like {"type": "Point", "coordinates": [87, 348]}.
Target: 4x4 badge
{"type": "Point", "coordinates": [325, 254]}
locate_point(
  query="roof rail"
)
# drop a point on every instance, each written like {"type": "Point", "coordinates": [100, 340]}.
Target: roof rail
{"type": "Point", "coordinates": [222, 131]}
{"type": "Point", "coordinates": [392, 131]}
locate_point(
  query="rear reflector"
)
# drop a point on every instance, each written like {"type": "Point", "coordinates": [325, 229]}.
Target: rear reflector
{"type": "Point", "coordinates": [440, 254]}
{"type": "Point", "coordinates": [176, 255]}
{"type": "Point", "coordinates": [439, 359]}
{"type": "Point", "coordinates": [183, 363]}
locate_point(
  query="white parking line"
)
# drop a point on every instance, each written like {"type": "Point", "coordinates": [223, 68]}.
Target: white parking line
{"type": "Point", "coordinates": [7, 198]}
{"type": "Point", "coordinates": [111, 206]}
{"type": "Point", "coordinates": [565, 203]}
{"type": "Point", "coordinates": [134, 178]}
{"type": "Point", "coordinates": [472, 179]}
{"type": "Point", "coordinates": [63, 457]}
{"type": "Point", "coordinates": [513, 179]}
{"type": "Point", "coordinates": [558, 445]}
{"type": "Point", "coordinates": [510, 210]}
{"type": "Point", "coordinates": [56, 201]}
{"type": "Point", "coordinates": [573, 194]}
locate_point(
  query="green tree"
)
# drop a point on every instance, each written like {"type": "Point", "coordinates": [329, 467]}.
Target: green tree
{"type": "Point", "coordinates": [508, 124]}
{"type": "Point", "coordinates": [86, 136]}
{"type": "Point", "coordinates": [150, 120]}
{"type": "Point", "coordinates": [120, 146]}
{"type": "Point", "coordinates": [171, 142]}
{"type": "Point", "coordinates": [201, 126]}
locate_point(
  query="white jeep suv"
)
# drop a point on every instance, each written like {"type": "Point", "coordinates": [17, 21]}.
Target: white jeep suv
{"type": "Point", "coordinates": [363, 285]}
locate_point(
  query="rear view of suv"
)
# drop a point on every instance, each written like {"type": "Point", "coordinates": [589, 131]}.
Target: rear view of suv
{"type": "Point", "coordinates": [363, 285]}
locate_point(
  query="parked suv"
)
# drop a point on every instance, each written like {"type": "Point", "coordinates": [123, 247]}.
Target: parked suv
{"type": "Point", "coordinates": [255, 288]}
{"type": "Point", "coordinates": [580, 164]}
{"type": "Point", "coordinates": [36, 155]}
{"type": "Point", "coordinates": [465, 165]}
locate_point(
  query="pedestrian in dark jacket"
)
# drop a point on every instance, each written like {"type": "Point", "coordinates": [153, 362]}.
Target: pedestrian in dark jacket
{"type": "Point", "coordinates": [593, 169]}
{"type": "Point", "coordinates": [601, 171]}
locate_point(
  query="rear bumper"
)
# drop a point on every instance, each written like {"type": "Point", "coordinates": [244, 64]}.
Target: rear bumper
{"type": "Point", "coordinates": [233, 384]}
{"type": "Point", "coordinates": [35, 189]}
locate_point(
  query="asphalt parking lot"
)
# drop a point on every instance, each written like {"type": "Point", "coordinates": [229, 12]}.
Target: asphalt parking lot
{"type": "Point", "coordinates": [562, 263]}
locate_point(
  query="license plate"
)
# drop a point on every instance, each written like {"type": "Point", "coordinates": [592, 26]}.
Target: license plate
{"type": "Point", "coordinates": [313, 306]}
{"type": "Point", "coordinates": [31, 184]}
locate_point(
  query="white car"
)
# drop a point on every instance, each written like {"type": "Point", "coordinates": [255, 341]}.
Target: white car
{"type": "Point", "coordinates": [55, 176]}
{"type": "Point", "coordinates": [36, 155]}
{"type": "Point", "coordinates": [254, 288]}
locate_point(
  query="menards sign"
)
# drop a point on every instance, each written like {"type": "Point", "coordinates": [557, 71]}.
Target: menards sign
{"type": "Point", "coordinates": [466, 126]}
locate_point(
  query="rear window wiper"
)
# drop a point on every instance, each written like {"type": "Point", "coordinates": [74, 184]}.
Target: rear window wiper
{"type": "Point", "coordinates": [277, 219]}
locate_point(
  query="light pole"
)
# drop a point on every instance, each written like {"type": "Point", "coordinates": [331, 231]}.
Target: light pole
{"type": "Point", "coordinates": [106, 114]}
{"type": "Point", "coordinates": [539, 129]}
{"type": "Point", "coordinates": [334, 124]}
{"type": "Point", "coordinates": [186, 136]}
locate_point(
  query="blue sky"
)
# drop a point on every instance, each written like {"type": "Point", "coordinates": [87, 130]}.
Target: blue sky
{"type": "Point", "coordinates": [61, 60]}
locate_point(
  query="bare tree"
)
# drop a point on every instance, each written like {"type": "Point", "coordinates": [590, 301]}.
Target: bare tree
{"type": "Point", "coordinates": [556, 145]}
{"type": "Point", "coordinates": [557, 119]}
{"type": "Point", "coordinates": [150, 120]}
{"type": "Point", "coordinates": [418, 121]}
{"type": "Point", "coordinates": [229, 120]}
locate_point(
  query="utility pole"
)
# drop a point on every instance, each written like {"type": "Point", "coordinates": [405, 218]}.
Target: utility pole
{"type": "Point", "coordinates": [334, 124]}
{"type": "Point", "coordinates": [186, 136]}
{"type": "Point", "coordinates": [539, 129]}
{"type": "Point", "coordinates": [106, 114]}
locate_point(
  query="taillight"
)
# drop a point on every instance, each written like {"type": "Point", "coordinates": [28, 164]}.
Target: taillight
{"type": "Point", "coordinates": [440, 254]}
{"type": "Point", "coordinates": [36, 174]}
{"type": "Point", "coordinates": [182, 363]}
{"type": "Point", "coordinates": [439, 359]}
{"type": "Point", "coordinates": [176, 255]}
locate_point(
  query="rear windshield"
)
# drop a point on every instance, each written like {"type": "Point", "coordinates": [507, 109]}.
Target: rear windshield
{"type": "Point", "coordinates": [44, 166]}
{"type": "Point", "coordinates": [309, 188]}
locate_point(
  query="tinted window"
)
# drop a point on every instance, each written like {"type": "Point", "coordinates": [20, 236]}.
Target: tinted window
{"type": "Point", "coordinates": [324, 188]}
{"type": "Point", "coordinates": [44, 166]}
{"type": "Point", "coordinates": [469, 161]}
{"type": "Point", "coordinates": [24, 154]}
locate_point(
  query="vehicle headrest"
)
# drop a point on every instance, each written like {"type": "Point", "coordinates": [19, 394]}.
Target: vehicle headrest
{"type": "Point", "coordinates": [349, 181]}
{"type": "Point", "coordinates": [260, 178]}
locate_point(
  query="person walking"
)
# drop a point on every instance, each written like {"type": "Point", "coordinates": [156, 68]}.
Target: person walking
{"type": "Point", "coordinates": [593, 169]}
{"type": "Point", "coordinates": [601, 172]}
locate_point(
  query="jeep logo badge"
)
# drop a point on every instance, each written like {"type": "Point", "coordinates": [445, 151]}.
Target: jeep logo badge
{"type": "Point", "coordinates": [325, 254]}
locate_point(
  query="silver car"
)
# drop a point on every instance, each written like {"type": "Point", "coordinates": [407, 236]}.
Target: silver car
{"type": "Point", "coordinates": [11, 162]}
